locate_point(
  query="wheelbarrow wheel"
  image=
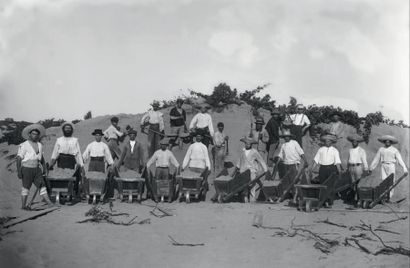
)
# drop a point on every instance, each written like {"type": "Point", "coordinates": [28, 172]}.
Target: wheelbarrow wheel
{"type": "Point", "coordinates": [162, 199]}
{"type": "Point", "coordinates": [130, 198]}
{"type": "Point", "coordinates": [58, 198]}
{"type": "Point", "coordinates": [187, 199]}
{"type": "Point", "coordinates": [366, 204]}
{"type": "Point", "coordinates": [94, 199]}
{"type": "Point", "coordinates": [139, 198]}
{"type": "Point", "coordinates": [308, 206]}
{"type": "Point", "coordinates": [121, 197]}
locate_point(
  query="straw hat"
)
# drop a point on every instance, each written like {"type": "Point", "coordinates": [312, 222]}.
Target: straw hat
{"type": "Point", "coordinates": [248, 140]}
{"type": "Point", "coordinates": [388, 138]}
{"type": "Point", "coordinates": [132, 131]}
{"type": "Point", "coordinates": [330, 137]}
{"type": "Point", "coordinates": [27, 130]}
{"type": "Point", "coordinates": [355, 137]}
{"type": "Point", "coordinates": [155, 104]}
{"type": "Point", "coordinates": [67, 124]}
{"type": "Point", "coordinates": [286, 133]}
{"type": "Point", "coordinates": [164, 141]}
{"type": "Point", "coordinates": [97, 132]}
{"type": "Point", "coordinates": [203, 105]}
{"type": "Point", "coordinates": [300, 106]}
{"type": "Point", "coordinates": [259, 120]}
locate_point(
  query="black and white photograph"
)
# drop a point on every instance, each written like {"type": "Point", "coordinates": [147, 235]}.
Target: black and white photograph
{"type": "Point", "coordinates": [204, 133]}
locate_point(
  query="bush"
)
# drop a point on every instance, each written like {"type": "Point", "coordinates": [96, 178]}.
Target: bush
{"type": "Point", "coordinates": [221, 96]}
{"type": "Point", "coordinates": [88, 115]}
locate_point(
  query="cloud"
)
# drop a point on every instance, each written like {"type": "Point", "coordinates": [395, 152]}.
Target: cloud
{"type": "Point", "coordinates": [235, 45]}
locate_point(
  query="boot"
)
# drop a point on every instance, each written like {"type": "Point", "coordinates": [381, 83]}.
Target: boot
{"type": "Point", "coordinates": [24, 202]}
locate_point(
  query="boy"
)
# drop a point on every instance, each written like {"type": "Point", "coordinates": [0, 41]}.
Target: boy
{"type": "Point", "coordinates": [201, 124]}
{"type": "Point", "coordinates": [328, 158]}
{"type": "Point", "coordinates": [31, 164]}
{"type": "Point", "coordinates": [162, 158]}
{"type": "Point", "coordinates": [252, 160]}
{"type": "Point", "coordinates": [219, 151]}
{"type": "Point", "coordinates": [112, 134]}
{"type": "Point", "coordinates": [388, 156]}
{"type": "Point", "coordinates": [177, 121]}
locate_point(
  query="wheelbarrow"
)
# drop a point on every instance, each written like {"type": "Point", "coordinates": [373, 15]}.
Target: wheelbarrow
{"type": "Point", "coordinates": [164, 189]}
{"type": "Point", "coordinates": [130, 184]}
{"type": "Point", "coordinates": [191, 184]}
{"type": "Point", "coordinates": [371, 188]}
{"type": "Point", "coordinates": [226, 184]}
{"type": "Point", "coordinates": [313, 196]}
{"type": "Point", "coordinates": [61, 182]}
{"type": "Point", "coordinates": [96, 183]}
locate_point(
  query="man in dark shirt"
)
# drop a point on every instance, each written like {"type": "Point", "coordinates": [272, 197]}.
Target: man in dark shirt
{"type": "Point", "coordinates": [177, 121]}
{"type": "Point", "coordinates": [273, 128]}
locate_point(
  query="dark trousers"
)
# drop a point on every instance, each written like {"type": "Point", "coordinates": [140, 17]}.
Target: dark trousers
{"type": "Point", "coordinates": [325, 171]}
{"type": "Point", "coordinates": [297, 131]}
{"type": "Point", "coordinates": [69, 161]}
{"type": "Point", "coordinates": [153, 139]}
{"type": "Point", "coordinates": [161, 173]}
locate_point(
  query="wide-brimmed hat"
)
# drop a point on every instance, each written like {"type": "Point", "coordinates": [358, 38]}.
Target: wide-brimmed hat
{"type": "Point", "coordinates": [388, 138]}
{"type": "Point", "coordinates": [97, 132]}
{"type": "Point", "coordinates": [286, 133]}
{"type": "Point", "coordinates": [67, 124]}
{"type": "Point", "coordinates": [179, 100]}
{"type": "Point", "coordinates": [132, 131]}
{"type": "Point", "coordinates": [355, 137]}
{"type": "Point", "coordinates": [203, 105]}
{"type": "Point", "coordinates": [248, 140]}
{"type": "Point", "coordinates": [164, 141]}
{"type": "Point", "coordinates": [259, 120]}
{"type": "Point", "coordinates": [300, 106]}
{"type": "Point", "coordinates": [27, 130]}
{"type": "Point", "coordinates": [330, 137]}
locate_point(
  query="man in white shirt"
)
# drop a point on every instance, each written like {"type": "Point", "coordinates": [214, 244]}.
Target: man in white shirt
{"type": "Point", "coordinates": [196, 157]}
{"type": "Point", "coordinates": [300, 123]}
{"type": "Point", "coordinates": [328, 159]}
{"type": "Point", "coordinates": [67, 154]}
{"type": "Point", "coordinates": [201, 124]}
{"type": "Point", "coordinates": [155, 122]}
{"type": "Point", "coordinates": [30, 163]}
{"type": "Point", "coordinates": [219, 150]}
{"type": "Point", "coordinates": [388, 156]}
{"type": "Point", "coordinates": [291, 154]}
{"type": "Point", "coordinates": [357, 160]}
{"type": "Point", "coordinates": [113, 134]}
{"type": "Point", "coordinates": [162, 159]}
{"type": "Point", "coordinates": [252, 160]}
{"type": "Point", "coordinates": [98, 153]}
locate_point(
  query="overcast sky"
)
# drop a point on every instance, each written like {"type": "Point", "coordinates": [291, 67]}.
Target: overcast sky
{"type": "Point", "coordinates": [61, 58]}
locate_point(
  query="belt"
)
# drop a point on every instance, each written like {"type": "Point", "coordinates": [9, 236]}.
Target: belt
{"type": "Point", "coordinates": [355, 164]}
{"type": "Point", "coordinates": [162, 167]}
{"type": "Point", "coordinates": [97, 158]}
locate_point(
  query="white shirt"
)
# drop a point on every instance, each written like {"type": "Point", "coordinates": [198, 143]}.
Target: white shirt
{"type": "Point", "coordinates": [153, 117]}
{"type": "Point", "coordinates": [112, 133]}
{"type": "Point", "coordinates": [252, 160]}
{"type": "Point", "coordinates": [202, 120]}
{"type": "Point", "coordinates": [68, 145]}
{"type": "Point", "coordinates": [327, 156]}
{"type": "Point", "coordinates": [29, 158]}
{"type": "Point", "coordinates": [219, 139]}
{"type": "Point", "coordinates": [132, 144]}
{"type": "Point", "coordinates": [358, 156]}
{"type": "Point", "coordinates": [290, 152]}
{"type": "Point", "coordinates": [98, 149]}
{"type": "Point", "coordinates": [163, 158]}
{"type": "Point", "coordinates": [197, 156]}
{"type": "Point", "coordinates": [388, 155]}
{"type": "Point", "coordinates": [299, 119]}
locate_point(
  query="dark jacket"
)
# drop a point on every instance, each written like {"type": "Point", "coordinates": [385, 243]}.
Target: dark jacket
{"type": "Point", "coordinates": [132, 160]}
{"type": "Point", "coordinates": [272, 127]}
{"type": "Point", "coordinates": [177, 122]}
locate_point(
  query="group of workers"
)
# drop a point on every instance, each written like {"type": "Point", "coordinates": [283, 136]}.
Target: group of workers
{"type": "Point", "coordinates": [278, 144]}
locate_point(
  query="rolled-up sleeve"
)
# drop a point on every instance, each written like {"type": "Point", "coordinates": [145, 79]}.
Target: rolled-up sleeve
{"type": "Point", "coordinates": [337, 157]}
{"type": "Point", "coordinates": [54, 154]}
